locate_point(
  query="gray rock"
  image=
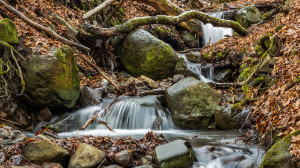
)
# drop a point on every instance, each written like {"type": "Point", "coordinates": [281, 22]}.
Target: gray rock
{"type": "Point", "coordinates": [192, 103]}
{"type": "Point", "coordinates": [45, 151]}
{"type": "Point", "coordinates": [113, 166]}
{"type": "Point", "coordinates": [145, 166]}
{"type": "Point", "coordinates": [67, 124]}
{"type": "Point", "coordinates": [177, 78]}
{"type": "Point", "coordinates": [147, 160]}
{"type": "Point", "coordinates": [45, 114]}
{"type": "Point", "coordinates": [248, 16]}
{"type": "Point", "coordinates": [52, 81]}
{"type": "Point", "coordinates": [86, 156]}
{"type": "Point", "coordinates": [193, 56]}
{"type": "Point", "coordinates": [181, 67]}
{"type": "Point", "coordinates": [124, 158]}
{"type": "Point", "coordinates": [224, 75]}
{"type": "Point", "coordinates": [225, 120]}
{"type": "Point", "coordinates": [90, 97]}
{"type": "Point", "coordinates": [178, 153]}
{"type": "Point", "coordinates": [190, 40]}
{"type": "Point", "coordinates": [143, 54]}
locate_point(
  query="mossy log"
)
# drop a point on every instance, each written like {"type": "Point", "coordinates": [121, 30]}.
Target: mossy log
{"type": "Point", "coordinates": [167, 20]}
{"type": "Point", "coordinates": [166, 7]}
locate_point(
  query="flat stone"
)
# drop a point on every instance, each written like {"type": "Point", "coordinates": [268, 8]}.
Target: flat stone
{"type": "Point", "coordinates": [174, 154]}
{"type": "Point", "coordinates": [90, 97]}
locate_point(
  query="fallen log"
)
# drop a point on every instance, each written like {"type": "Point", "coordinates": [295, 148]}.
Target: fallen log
{"type": "Point", "coordinates": [167, 20]}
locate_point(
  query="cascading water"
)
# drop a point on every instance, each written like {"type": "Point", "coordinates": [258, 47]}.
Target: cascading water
{"type": "Point", "coordinates": [204, 73]}
{"type": "Point", "coordinates": [213, 34]}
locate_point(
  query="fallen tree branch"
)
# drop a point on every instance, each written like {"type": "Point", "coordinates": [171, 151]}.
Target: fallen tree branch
{"type": "Point", "coordinates": [167, 20]}
{"type": "Point", "coordinates": [43, 28]}
{"type": "Point", "coordinates": [97, 9]}
{"type": "Point", "coordinates": [166, 7]}
{"type": "Point", "coordinates": [15, 123]}
{"type": "Point", "coordinates": [107, 125]}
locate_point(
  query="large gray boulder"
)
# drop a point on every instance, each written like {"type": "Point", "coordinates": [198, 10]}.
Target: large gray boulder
{"type": "Point", "coordinates": [52, 81]}
{"type": "Point", "coordinates": [45, 151]}
{"type": "Point", "coordinates": [178, 153]}
{"type": "Point", "coordinates": [86, 156]}
{"type": "Point", "coordinates": [192, 103]}
{"type": "Point", "coordinates": [248, 16]}
{"type": "Point", "coordinates": [143, 54]}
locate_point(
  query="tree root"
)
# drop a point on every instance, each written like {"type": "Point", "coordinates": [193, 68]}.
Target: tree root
{"type": "Point", "coordinates": [167, 20]}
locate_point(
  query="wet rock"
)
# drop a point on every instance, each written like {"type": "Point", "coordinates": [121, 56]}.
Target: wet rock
{"type": "Point", "coordinates": [190, 40]}
{"type": "Point", "coordinates": [21, 116]}
{"type": "Point", "coordinates": [52, 81]}
{"type": "Point", "coordinates": [45, 151]}
{"type": "Point", "coordinates": [181, 67]}
{"type": "Point", "coordinates": [143, 54]}
{"type": "Point", "coordinates": [86, 156]}
{"type": "Point", "coordinates": [192, 103]}
{"type": "Point", "coordinates": [124, 158]}
{"type": "Point", "coordinates": [224, 75]}
{"type": "Point", "coordinates": [150, 82]}
{"type": "Point", "coordinates": [12, 109]}
{"type": "Point", "coordinates": [67, 124]}
{"type": "Point", "coordinates": [138, 83]}
{"type": "Point", "coordinates": [3, 114]}
{"type": "Point", "coordinates": [248, 16]}
{"type": "Point", "coordinates": [193, 56]}
{"type": "Point", "coordinates": [178, 153]}
{"type": "Point", "coordinates": [8, 31]}
{"type": "Point", "coordinates": [279, 156]}
{"type": "Point", "coordinates": [145, 166]}
{"type": "Point", "coordinates": [90, 97]}
{"type": "Point", "coordinates": [45, 114]}
{"type": "Point", "coordinates": [225, 120]}
{"type": "Point", "coordinates": [177, 78]}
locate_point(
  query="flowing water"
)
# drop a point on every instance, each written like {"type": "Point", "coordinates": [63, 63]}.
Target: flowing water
{"type": "Point", "coordinates": [213, 34]}
{"type": "Point", "coordinates": [135, 116]}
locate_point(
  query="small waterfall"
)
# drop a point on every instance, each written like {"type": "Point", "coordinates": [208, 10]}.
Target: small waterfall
{"type": "Point", "coordinates": [130, 113]}
{"type": "Point", "coordinates": [213, 34]}
{"type": "Point", "coordinates": [138, 113]}
{"type": "Point", "coordinates": [204, 73]}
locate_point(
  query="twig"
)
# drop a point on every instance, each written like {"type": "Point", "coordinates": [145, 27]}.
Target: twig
{"type": "Point", "coordinates": [43, 28]}
{"type": "Point", "coordinates": [106, 124]}
{"type": "Point", "coordinates": [112, 13]}
{"type": "Point", "coordinates": [11, 122]}
{"type": "Point", "coordinates": [97, 9]}
{"type": "Point", "coordinates": [20, 72]}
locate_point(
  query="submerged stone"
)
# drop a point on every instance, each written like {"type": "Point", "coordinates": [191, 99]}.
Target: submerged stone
{"type": "Point", "coordinates": [178, 153]}
{"type": "Point", "coordinates": [143, 54]}
{"type": "Point", "coordinates": [52, 81]}
{"type": "Point", "coordinates": [8, 31]}
{"type": "Point", "coordinates": [192, 103]}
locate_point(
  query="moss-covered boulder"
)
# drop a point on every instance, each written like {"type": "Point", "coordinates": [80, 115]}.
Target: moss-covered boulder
{"type": "Point", "coordinates": [248, 16]}
{"type": "Point", "coordinates": [52, 81]}
{"type": "Point", "coordinates": [192, 103]}
{"type": "Point", "coordinates": [143, 54]}
{"type": "Point", "coordinates": [8, 31]}
{"type": "Point", "coordinates": [178, 153]}
{"type": "Point", "coordinates": [279, 156]}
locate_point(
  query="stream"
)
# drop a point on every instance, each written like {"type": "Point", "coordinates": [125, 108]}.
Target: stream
{"type": "Point", "coordinates": [135, 116]}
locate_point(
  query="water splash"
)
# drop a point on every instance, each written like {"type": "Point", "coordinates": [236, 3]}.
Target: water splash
{"type": "Point", "coordinates": [204, 73]}
{"type": "Point", "coordinates": [213, 34]}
